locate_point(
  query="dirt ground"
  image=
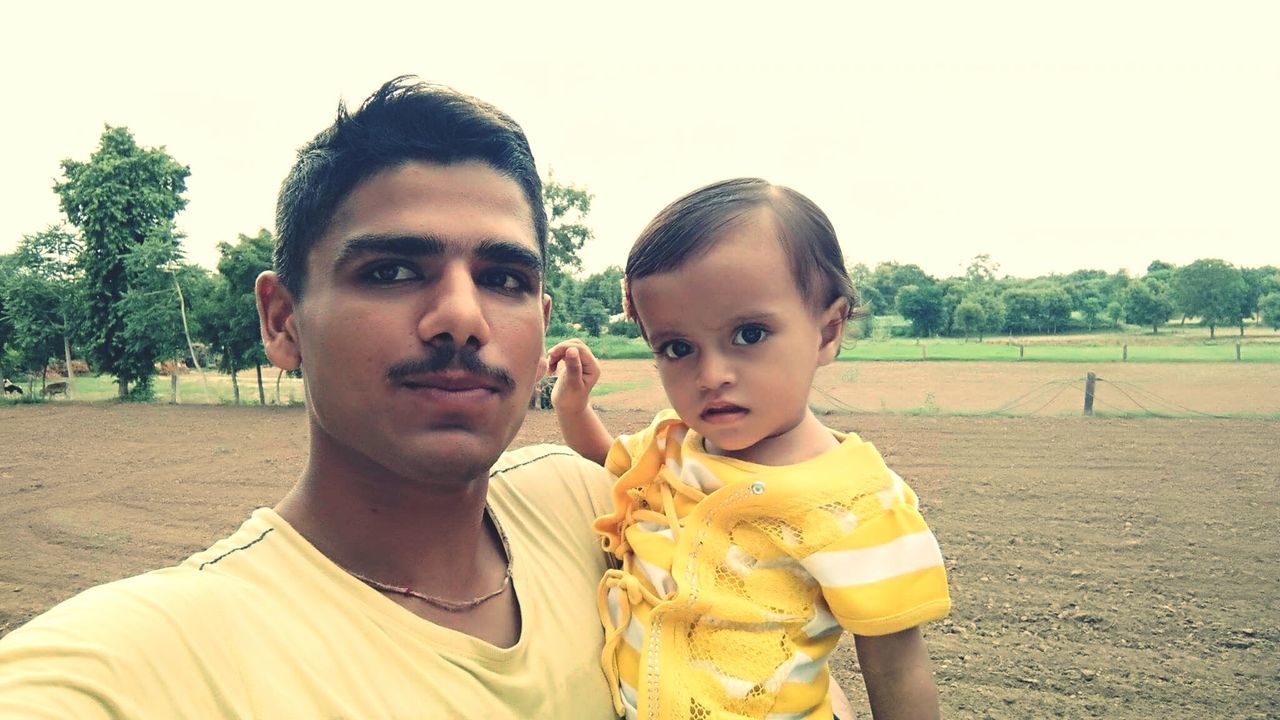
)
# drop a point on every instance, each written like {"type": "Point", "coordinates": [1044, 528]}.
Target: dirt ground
{"type": "Point", "coordinates": [1099, 567]}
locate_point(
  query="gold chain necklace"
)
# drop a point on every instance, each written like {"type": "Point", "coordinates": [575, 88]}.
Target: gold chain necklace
{"type": "Point", "coordinates": [445, 603]}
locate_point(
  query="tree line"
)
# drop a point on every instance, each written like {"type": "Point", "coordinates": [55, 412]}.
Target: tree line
{"type": "Point", "coordinates": [1211, 291]}
{"type": "Point", "coordinates": [110, 287]}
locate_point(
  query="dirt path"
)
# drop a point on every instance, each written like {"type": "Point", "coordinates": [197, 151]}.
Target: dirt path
{"type": "Point", "coordinates": [1100, 568]}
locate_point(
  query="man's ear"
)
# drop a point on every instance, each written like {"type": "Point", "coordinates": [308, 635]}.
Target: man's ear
{"type": "Point", "coordinates": [546, 321]}
{"type": "Point", "coordinates": [833, 321]}
{"type": "Point", "coordinates": [277, 322]}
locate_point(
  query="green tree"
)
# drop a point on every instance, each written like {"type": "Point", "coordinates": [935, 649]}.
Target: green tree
{"type": "Point", "coordinates": [606, 287]}
{"type": "Point", "coordinates": [567, 230]}
{"type": "Point", "coordinates": [981, 271]}
{"type": "Point", "coordinates": [925, 307]}
{"type": "Point", "coordinates": [1055, 308]}
{"type": "Point", "coordinates": [1148, 302]}
{"type": "Point", "coordinates": [1022, 309]}
{"type": "Point", "coordinates": [152, 312]}
{"type": "Point", "coordinates": [1212, 290]}
{"type": "Point", "coordinates": [230, 319]}
{"type": "Point", "coordinates": [592, 316]}
{"type": "Point", "coordinates": [42, 299]}
{"type": "Point", "coordinates": [889, 277]}
{"type": "Point", "coordinates": [121, 198]}
{"type": "Point", "coordinates": [969, 318]}
{"type": "Point", "coordinates": [1269, 305]}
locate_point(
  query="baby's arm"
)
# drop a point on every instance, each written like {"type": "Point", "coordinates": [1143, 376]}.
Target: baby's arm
{"type": "Point", "coordinates": [898, 675]}
{"type": "Point", "coordinates": [582, 428]}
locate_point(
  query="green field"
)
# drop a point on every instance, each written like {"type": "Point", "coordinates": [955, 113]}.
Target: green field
{"type": "Point", "coordinates": [191, 389]}
{"type": "Point", "coordinates": [1100, 348]}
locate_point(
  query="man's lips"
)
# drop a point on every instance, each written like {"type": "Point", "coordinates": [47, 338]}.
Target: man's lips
{"type": "Point", "coordinates": [452, 382]}
{"type": "Point", "coordinates": [722, 412]}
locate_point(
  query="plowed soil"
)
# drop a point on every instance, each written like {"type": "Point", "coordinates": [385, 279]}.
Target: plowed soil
{"type": "Point", "coordinates": [1099, 567]}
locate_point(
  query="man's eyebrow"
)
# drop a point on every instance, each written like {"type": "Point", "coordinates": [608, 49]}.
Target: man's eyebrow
{"type": "Point", "coordinates": [412, 245]}
{"type": "Point", "coordinates": [505, 252]}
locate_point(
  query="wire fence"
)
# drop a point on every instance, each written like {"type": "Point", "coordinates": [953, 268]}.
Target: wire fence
{"type": "Point", "coordinates": [1141, 403]}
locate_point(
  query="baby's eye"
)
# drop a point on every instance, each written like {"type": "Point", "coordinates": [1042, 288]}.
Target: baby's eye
{"type": "Point", "coordinates": [388, 273]}
{"type": "Point", "coordinates": [676, 349]}
{"type": "Point", "coordinates": [749, 335]}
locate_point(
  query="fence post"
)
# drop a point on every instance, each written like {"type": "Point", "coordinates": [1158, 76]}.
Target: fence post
{"type": "Point", "coordinates": [1125, 356]}
{"type": "Point", "coordinates": [1021, 348]}
{"type": "Point", "coordinates": [924, 352]}
{"type": "Point", "coordinates": [1237, 351]}
{"type": "Point", "coordinates": [1088, 393]}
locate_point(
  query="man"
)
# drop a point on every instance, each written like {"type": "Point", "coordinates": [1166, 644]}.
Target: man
{"type": "Point", "coordinates": [414, 570]}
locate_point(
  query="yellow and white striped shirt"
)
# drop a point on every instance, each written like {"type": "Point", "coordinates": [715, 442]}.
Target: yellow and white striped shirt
{"type": "Point", "coordinates": [737, 578]}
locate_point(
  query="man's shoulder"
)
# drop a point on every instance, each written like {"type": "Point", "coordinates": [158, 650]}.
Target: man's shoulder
{"type": "Point", "coordinates": [550, 475]}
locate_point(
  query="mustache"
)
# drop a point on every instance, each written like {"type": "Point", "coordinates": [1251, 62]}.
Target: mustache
{"type": "Point", "coordinates": [445, 355]}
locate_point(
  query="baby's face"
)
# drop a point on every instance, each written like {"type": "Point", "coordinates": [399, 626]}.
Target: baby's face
{"type": "Point", "coordinates": [735, 343]}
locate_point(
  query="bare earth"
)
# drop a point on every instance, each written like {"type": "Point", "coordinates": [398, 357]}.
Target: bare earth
{"type": "Point", "coordinates": [1099, 567]}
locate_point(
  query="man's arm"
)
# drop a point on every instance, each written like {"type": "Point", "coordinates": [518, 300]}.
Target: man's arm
{"type": "Point", "coordinates": [581, 426]}
{"type": "Point", "coordinates": [898, 676]}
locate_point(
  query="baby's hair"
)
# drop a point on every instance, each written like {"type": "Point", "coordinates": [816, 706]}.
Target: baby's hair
{"type": "Point", "coordinates": [689, 227]}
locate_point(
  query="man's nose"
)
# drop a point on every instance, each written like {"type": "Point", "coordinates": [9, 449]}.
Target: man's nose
{"type": "Point", "coordinates": [455, 314]}
{"type": "Point", "coordinates": [715, 371]}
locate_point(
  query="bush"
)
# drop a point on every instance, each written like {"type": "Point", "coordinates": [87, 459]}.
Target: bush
{"type": "Point", "coordinates": [560, 328]}
{"type": "Point", "coordinates": [624, 328]}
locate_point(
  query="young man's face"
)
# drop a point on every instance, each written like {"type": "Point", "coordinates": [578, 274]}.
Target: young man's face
{"type": "Point", "coordinates": [420, 328]}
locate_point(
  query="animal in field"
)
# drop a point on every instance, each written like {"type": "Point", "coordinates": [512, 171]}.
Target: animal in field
{"type": "Point", "coordinates": [10, 388]}
{"type": "Point", "coordinates": [52, 389]}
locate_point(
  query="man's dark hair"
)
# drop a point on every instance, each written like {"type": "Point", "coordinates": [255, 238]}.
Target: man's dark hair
{"type": "Point", "coordinates": [404, 121]}
{"type": "Point", "coordinates": [689, 226]}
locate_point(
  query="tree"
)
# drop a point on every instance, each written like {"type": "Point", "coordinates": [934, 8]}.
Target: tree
{"type": "Point", "coordinates": [1269, 305]}
{"type": "Point", "coordinates": [981, 271]}
{"type": "Point", "coordinates": [151, 311]}
{"type": "Point", "coordinates": [969, 317]}
{"type": "Point", "coordinates": [230, 318]}
{"type": "Point", "coordinates": [606, 287]}
{"type": "Point", "coordinates": [925, 307]}
{"type": "Point", "coordinates": [1210, 289]}
{"type": "Point", "coordinates": [1055, 308]}
{"type": "Point", "coordinates": [42, 299]}
{"type": "Point", "coordinates": [567, 231]}
{"type": "Point", "coordinates": [592, 316]}
{"type": "Point", "coordinates": [1022, 309]}
{"type": "Point", "coordinates": [122, 197]}
{"type": "Point", "coordinates": [1148, 302]}
{"type": "Point", "coordinates": [889, 277]}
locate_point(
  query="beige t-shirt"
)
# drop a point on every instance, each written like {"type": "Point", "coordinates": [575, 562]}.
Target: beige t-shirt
{"type": "Point", "coordinates": [261, 625]}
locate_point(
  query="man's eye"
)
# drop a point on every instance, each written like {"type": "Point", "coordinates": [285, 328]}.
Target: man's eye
{"type": "Point", "coordinates": [504, 280]}
{"type": "Point", "coordinates": [749, 335]}
{"type": "Point", "coordinates": [676, 349]}
{"type": "Point", "coordinates": [389, 273]}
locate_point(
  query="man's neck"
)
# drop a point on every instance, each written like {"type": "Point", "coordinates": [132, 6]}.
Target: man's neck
{"type": "Point", "coordinates": [421, 533]}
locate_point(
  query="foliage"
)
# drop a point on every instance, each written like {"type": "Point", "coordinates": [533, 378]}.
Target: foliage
{"type": "Point", "coordinates": [924, 307]}
{"type": "Point", "coordinates": [592, 316]}
{"type": "Point", "coordinates": [1212, 290]}
{"type": "Point", "coordinates": [1022, 310]}
{"type": "Point", "coordinates": [969, 318]}
{"type": "Point", "coordinates": [890, 277]}
{"type": "Point", "coordinates": [41, 298]}
{"type": "Point", "coordinates": [606, 287]}
{"type": "Point", "coordinates": [567, 209]}
{"type": "Point", "coordinates": [121, 198]}
{"type": "Point", "coordinates": [1269, 306]}
{"type": "Point", "coordinates": [624, 328]}
{"type": "Point", "coordinates": [1148, 302]}
{"type": "Point", "coordinates": [229, 317]}
{"type": "Point", "coordinates": [151, 311]}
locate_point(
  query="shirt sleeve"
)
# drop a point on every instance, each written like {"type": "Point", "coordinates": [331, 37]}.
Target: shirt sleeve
{"type": "Point", "coordinates": [886, 574]}
{"type": "Point", "coordinates": [626, 448]}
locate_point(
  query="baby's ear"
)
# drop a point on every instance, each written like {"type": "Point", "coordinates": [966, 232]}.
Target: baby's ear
{"type": "Point", "coordinates": [833, 320]}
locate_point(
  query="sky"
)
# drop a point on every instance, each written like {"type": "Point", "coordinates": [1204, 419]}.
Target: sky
{"type": "Point", "coordinates": [1051, 136]}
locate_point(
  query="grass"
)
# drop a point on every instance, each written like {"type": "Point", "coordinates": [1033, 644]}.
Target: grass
{"type": "Point", "coordinates": [1171, 347]}
{"type": "Point", "coordinates": [97, 388]}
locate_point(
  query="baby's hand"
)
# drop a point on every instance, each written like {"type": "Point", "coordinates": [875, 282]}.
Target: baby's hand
{"type": "Point", "coordinates": [581, 371]}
